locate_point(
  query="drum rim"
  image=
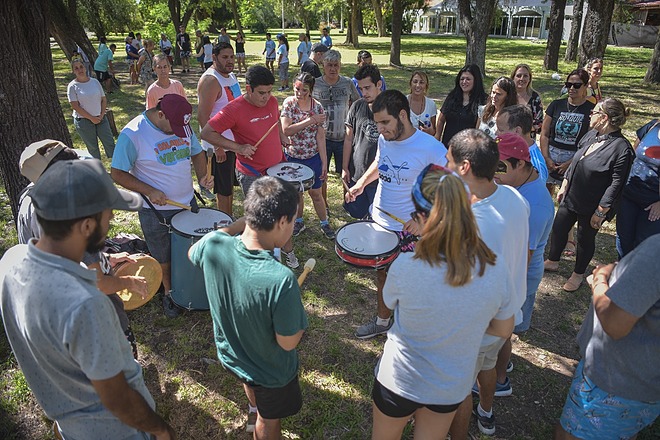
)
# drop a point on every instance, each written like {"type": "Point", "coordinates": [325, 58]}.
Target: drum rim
{"type": "Point", "coordinates": [386, 261]}
{"type": "Point", "coordinates": [187, 234]}
{"type": "Point", "coordinates": [356, 255]}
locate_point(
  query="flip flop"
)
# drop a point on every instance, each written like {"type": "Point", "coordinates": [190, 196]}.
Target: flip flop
{"type": "Point", "coordinates": [569, 250]}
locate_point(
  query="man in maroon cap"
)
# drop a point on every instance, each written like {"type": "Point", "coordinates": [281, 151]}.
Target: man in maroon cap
{"type": "Point", "coordinates": [153, 157]}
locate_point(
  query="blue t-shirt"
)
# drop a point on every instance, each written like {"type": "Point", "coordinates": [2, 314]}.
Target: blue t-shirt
{"type": "Point", "coordinates": [541, 214]}
{"type": "Point", "coordinates": [326, 41]}
{"type": "Point", "coordinates": [101, 63]}
{"type": "Point", "coordinates": [270, 49]}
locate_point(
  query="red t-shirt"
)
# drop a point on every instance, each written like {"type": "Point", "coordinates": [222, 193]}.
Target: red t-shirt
{"type": "Point", "coordinates": [249, 123]}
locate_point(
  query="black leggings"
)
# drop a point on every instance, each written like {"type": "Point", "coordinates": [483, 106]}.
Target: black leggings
{"type": "Point", "coordinates": [586, 238]}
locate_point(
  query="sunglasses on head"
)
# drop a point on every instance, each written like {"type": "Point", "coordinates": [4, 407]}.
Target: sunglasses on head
{"type": "Point", "coordinates": [502, 167]}
{"type": "Point", "coordinates": [574, 85]}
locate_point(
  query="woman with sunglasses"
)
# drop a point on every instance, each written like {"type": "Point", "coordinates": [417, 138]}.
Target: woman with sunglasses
{"type": "Point", "coordinates": [522, 77]}
{"type": "Point", "coordinates": [592, 188]}
{"type": "Point", "coordinates": [452, 283]}
{"type": "Point", "coordinates": [502, 94]}
{"type": "Point", "coordinates": [459, 111]}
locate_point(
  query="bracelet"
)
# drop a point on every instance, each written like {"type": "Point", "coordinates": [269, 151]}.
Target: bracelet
{"type": "Point", "coordinates": [599, 214]}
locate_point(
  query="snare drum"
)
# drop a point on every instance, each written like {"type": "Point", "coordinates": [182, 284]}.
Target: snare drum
{"type": "Point", "coordinates": [296, 173]}
{"type": "Point", "coordinates": [146, 267]}
{"type": "Point", "coordinates": [188, 289]}
{"type": "Point", "coordinates": [366, 244]}
{"type": "Point", "coordinates": [650, 143]}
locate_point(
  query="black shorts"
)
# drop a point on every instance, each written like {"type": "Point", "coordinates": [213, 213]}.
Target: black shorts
{"type": "Point", "coordinates": [393, 405]}
{"type": "Point", "coordinates": [102, 76]}
{"type": "Point", "coordinates": [278, 403]}
{"type": "Point", "coordinates": [224, 175]}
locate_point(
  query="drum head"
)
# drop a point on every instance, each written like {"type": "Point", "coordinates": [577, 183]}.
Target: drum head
{"type": "Point", "coordinates": [197, 225]}
{"type": "Point", "coordinates": [291, 172]}
{"type": "Point", "coordinates": [146, 267]}
{"type": "Point", "coordinates": [366, 239]}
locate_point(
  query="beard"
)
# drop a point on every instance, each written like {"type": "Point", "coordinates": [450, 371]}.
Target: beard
{"type": "Point", "coordinates": [400, 128]}
{"type": "Point", "coordinates": [96, 241]}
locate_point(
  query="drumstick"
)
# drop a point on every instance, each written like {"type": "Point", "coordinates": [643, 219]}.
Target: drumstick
{"type": "Point", "coordinates": [267, 133]}
{"type": "Point", "coordinates": [209, 154]}
{"type": "Point", "coordinates": [309, 266]}
{"type": "Point", "coordinates": [392, 216]}
{"type": "Point", "coordinates": [345, 185]}
{"type": "Point", "coordinates": [177, 204]}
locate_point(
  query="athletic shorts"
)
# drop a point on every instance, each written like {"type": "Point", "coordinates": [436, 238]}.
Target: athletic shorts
{"type": "Point", "coordinates": [314, 163]}
{"type": "Point", "coordinates": [393, 405]}
{"type": "Point", "coordinates": [184, 54]}
{"type": "Point", "coordinates": [224, 175]}
{"type": "Point", "coordinates": [277, 403]}
{"type": "Point", "coordinates": [240, 54]}
{"type": "Point", "coordinates": [591, 413]}
{"type": "Point", "coordinates": [102, 76]}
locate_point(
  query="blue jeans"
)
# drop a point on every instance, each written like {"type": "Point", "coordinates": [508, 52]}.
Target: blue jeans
{"type": "Point", "coordinates": [633, 226]}
{"type": "Point", "coordinates": [336, 148]}
{"type": "Point", "coordinates": [91, 133]}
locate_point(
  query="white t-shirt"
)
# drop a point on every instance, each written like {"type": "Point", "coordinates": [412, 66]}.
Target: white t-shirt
{"type": "Point", "coordinates": [208, 53]}
{"type": "Point", "coordinates": [156, 158]}
{"type": "Point", "coordinates": [88, 94]}
{"type": "Point", "coordinates": [230, 91]}
{"type": "Point", "coordinates": [429, 111]}
{"type": "Point", "coordinates": [503, 220]}
{"type": "Point", "coordinates": [399, 164]}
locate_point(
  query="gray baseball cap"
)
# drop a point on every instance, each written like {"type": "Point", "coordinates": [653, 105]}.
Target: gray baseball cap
{"type": "Point", "coordinates": [72, 189]}
{"type": "Point", "coordinates": [318, 47]}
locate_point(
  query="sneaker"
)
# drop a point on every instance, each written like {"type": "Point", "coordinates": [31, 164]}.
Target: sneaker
{"type": "Point", "coordinates": [207, 193]}
{"type": "Point", "coordinates": [371, 329]}
{"type": "Point", "coordinates": [171, 310]}
{"type": "Point", "coordinates": [503, 389]}
{"type": "Point", "coordinates": [298, 227]}
{"type": "Point", "coordinates": [251, 422]}
{"type": "Point", "coordinates": [486, 424]}
{"type": "Point", "coordinates": [291, 260]}
{"type": "Point", "coordinates": [328, 231]}
{"type": "Point", "coordinates": [280, 89]}
{"type": "Point", "coordinates": [509, 367]}
{"type": "Point", "coordinates": [286, 88]}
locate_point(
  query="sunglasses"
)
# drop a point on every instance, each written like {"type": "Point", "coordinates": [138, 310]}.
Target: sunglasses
{"type": "Point", "coordinates": [596, 112]}
{"type": "Point", "coordinates": [574, 85]}
{"type": "Point", "coordinates": [502, 167]}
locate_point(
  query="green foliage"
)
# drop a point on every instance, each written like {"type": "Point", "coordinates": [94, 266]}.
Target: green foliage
{"type": "Point", "coordinates": [157, 19]}
{"type": "Point", "coordinates": [116, 16]}
{"type": "Point", "coordinates": [259, 15]}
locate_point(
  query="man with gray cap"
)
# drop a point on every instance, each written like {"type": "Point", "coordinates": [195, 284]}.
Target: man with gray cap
{"type": "Point", "coordinates": [311, 66]}
{"type": "Point", "coordinates": [62, 329]}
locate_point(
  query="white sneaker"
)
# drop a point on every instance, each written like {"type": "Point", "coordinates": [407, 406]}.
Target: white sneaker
{"type": "Point", "coordinates": [291, 260]}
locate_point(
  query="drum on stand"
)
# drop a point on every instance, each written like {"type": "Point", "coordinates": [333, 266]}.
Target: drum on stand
{"type": "Point", "coordinates": [146, 267]}
{"type": "Point", "coordinates": [298, 174]}
{"type": "Point", "coordinates": [366, 244]}
{"type": "Point", "coordinates": [188, 288]}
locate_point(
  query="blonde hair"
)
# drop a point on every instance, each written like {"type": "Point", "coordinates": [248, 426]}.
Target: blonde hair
{"type": "Point", "coordinates": [616, 112]}
{"type": "Point", "coordinates": [450, 233]}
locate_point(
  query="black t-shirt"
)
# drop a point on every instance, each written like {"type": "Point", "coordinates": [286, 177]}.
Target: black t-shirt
{"type": "Point", "coordinates": [569, 123]}
{"type": "Point", "coordinates": [184, 41]}
{"type": "Point", "coordinates": [456, 120]}
{"type": "Point", "coordinates": [365, 138]}
{"type": "Point", "coordinates": [312, 68]}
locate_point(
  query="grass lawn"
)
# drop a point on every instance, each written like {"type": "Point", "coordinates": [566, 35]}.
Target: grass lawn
{"type": "Point", "coordinates": [203, 401]}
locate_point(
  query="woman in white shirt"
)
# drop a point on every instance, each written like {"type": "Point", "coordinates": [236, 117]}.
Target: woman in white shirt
{"type": "Point", "coordinates": [422, 109]}
{"type": "Point", "coordinates": [89, 103]}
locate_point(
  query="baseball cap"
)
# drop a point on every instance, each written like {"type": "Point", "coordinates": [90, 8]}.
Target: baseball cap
{"type": "Point", "coordinates": [72, 189]}
{"type": "Point", "coordinates": [32, 164]}
{"type": "Point", "coordinates": [178, 112]}
{"type": "Point", "coordinates": [319, 47]}
{"type": "Point", "coordinates": [512, 145]}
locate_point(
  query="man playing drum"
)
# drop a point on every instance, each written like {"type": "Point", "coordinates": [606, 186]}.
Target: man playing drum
{"type": "Point", "coordinates": [403, 152]}
{"type": "Point", "coordinates": [257, 311]}
{"type": "Point", "coordinates": [152, 157]}
{"type": "Point", "coordinates": [62, 329]}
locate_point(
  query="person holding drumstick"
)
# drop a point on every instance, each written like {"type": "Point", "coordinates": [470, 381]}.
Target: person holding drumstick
{"type": "Point", "coordinates": [163, 178]}
{"type": "Point", "coordinates": [454, 288]}
{"type": "Point", "coordinates": [403, 152]}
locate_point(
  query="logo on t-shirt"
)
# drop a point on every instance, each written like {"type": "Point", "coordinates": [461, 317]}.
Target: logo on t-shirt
{"type": "Point", "coordinates": [173, 150]}
{"type": "Point", "coordinates": [388, 171]}
{"type": "Point", "coordinates": [568, 127]}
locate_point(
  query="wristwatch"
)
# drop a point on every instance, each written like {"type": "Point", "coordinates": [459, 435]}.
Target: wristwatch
{"type": "Point", "coordinates": [599, 214]}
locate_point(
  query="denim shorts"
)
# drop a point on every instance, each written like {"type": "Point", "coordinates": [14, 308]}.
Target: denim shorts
{"type": "Point", "coordinates": [157, 234]}
{"type": "Point", "coordinates": [591, 413]}
{"type": "Point", "coordinates": [245, 181]}
{"type": "Point", "coordinates": [557, 155]}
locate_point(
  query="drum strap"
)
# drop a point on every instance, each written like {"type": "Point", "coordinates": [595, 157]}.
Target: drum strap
{"type": "Point", "coordinates": [161, 219]}
{"type": "Point", "coordinates": [251, 169]}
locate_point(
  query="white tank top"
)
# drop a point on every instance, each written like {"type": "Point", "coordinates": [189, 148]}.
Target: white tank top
{"type": "Point", "coordinates": [230, 90]}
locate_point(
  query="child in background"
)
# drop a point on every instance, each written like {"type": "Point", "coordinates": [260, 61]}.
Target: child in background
{"type": "Point", "coordinates": [269, 50]}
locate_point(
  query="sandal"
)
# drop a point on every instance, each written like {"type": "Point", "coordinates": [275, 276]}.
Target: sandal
{"type": "Point", "coordinates": [551, 266]}
{"type": "Point", "coordinates": [569, 250]}
{"type": "Point", "coordinates": [573, 283]}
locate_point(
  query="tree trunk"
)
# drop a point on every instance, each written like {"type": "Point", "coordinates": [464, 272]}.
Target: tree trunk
{"type": "Point", "coordinates": [653, 72]}
{"type": "Point", "coordinates": [66, 29]}
{"type": "Point", "coordinates": [596, 29]}
{"type": "Point", "coordinates": [352, 29]}
{"type": "Point", "coordinates": [360, 22]}
{"type": "Point", "coordinates": [576, 26]}
{"type": "Point", "coordinates": [177, 19]}
{"type": "Point", "coordinates": [30, 109]}
{"type": "Point", "coordinates": [237, 17]}
{"type": "Point", "coordinates": [397, 28]}
{"type": "Point", "coordinates": [555, 31]}
{"type": "Point", "coordinates": [476, 24]}
{"type": "Point", "coordinates": [378, 13]}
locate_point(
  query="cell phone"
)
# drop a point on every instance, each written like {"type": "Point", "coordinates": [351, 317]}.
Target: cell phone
{"type": "Point", "coordinates": [420, 124]}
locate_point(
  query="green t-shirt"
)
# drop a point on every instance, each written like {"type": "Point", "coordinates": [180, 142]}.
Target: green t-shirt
{"type": "Point", "coordinates": [252, 297]}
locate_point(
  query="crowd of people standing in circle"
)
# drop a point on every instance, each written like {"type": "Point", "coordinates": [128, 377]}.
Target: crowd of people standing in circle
{"type": "Point", "coordinates": [467, 191]}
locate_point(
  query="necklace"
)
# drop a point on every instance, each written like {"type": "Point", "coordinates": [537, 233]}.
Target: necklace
{"type": "Point", "coordinates": [575, 107]}
{"type": "Point", "coordinates": [530, 175]}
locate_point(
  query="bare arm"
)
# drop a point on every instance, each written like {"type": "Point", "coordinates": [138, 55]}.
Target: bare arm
{"type": "Point", "coordinates": [130, 182]}
{"type": "Point", "coordinates": [130, 407]}
{"type": "Point", "coordinates": [320, 143]}
{"type": "Point", "coordinates": [501, 327]}
{"type": "Point", "coordinates": [288, 343]}
{"type": "Point", "coordinates": [290, 128]}
{"type": "Point", "coordinates": [348, 152]}
{"type": "Point", "coordinates": [199, 163]}
{"type": "Point", "coordinates": [544, 142]}
{"type": "Point", "coordinates": [616, 322]}
{"type": "Point", "coordinates": [110, 284]}
{"type": "Point", "coordinates": [219, 141]}
{"type": "Point", "coordinates": [369, 176]}
{"type": "Point", "coordinates": [440, 126]}
{"type": "Point", "coordinates": [84, 113]}
{"type": "Point", "coordinates": [141, 62]}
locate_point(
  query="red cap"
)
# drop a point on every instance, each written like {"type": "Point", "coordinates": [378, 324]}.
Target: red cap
{"type": "Point", "coordinates": [513, 145]}
{"type": "Point", "coordinates": [178, 112]}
